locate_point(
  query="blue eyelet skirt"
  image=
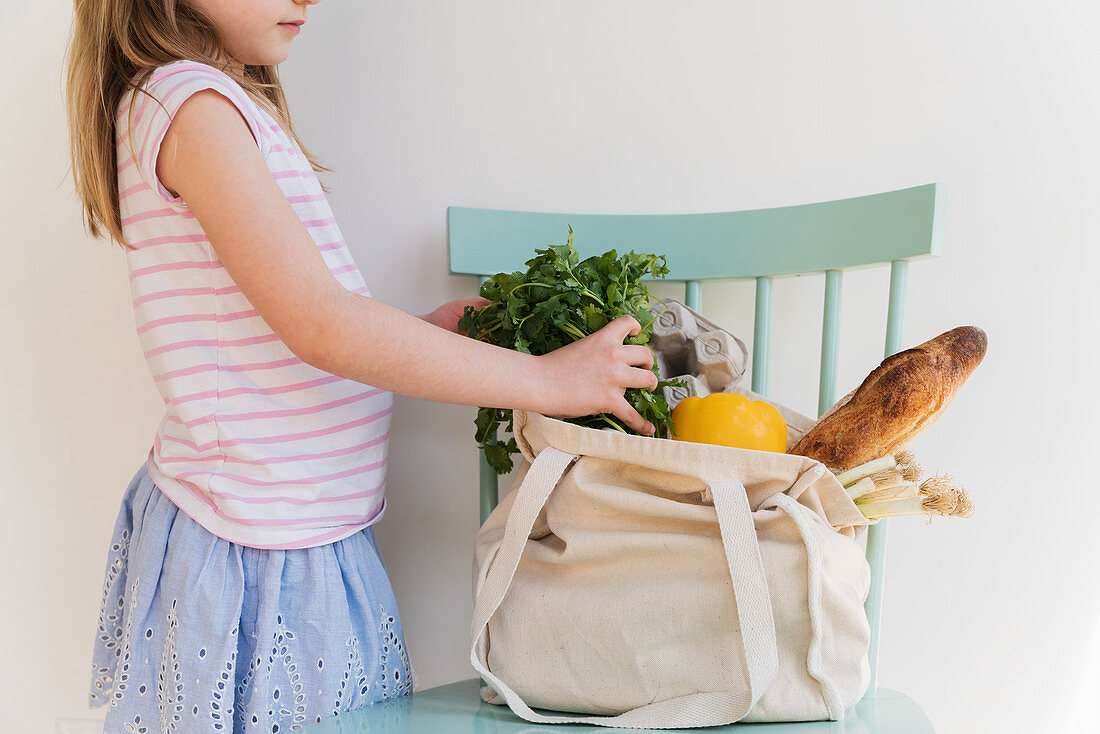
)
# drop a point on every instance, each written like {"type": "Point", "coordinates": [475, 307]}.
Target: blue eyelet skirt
{"type": "Point", "coordinates": [198, 634]}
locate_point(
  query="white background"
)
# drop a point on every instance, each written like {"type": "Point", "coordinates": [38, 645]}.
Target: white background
{"type": "Point", "coordinates": [626, 106]}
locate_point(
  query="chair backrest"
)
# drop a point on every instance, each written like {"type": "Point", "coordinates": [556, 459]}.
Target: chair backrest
{"type": "Point", "coordinates": [892, 227]}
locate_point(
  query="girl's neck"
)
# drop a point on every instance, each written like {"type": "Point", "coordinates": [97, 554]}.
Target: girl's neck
{"type": "Point", "coordinates": [228, 63]}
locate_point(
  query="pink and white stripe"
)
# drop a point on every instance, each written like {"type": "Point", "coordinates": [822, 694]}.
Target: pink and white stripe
{"type": "Point", "coordinates": [256, 445]}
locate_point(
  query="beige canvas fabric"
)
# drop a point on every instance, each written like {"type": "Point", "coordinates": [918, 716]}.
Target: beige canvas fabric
{"type": "Point", "coordinates": [647, 583]}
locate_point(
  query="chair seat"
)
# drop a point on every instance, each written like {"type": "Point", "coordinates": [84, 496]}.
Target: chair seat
{"type": "Point", "coordinates": [457, 707]}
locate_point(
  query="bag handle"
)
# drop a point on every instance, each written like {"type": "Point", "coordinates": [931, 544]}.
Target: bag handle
{"type": "Point", "coordinates": [750, 588]}
{"type": "Point", "coordinates": [804, 520]}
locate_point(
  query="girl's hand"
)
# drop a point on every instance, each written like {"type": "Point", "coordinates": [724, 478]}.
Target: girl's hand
{"type": "Point", "coordinates": [447, 315]}
{"type": "Point", "coordinates": [589, 376]}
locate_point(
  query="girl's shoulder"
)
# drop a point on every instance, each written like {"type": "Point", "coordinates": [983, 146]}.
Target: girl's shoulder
{"type": "Point", "coordinates": [168, 85]}
{"type": "Point", "coordinates": [146, 112]}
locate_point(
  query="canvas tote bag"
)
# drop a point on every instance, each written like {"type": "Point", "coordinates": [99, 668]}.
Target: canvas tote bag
{"type": "Point", "coordinates": [649, 583]}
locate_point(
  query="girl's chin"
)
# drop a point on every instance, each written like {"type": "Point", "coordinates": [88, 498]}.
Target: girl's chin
{"type": "Point", "coordinates": [270, 57]}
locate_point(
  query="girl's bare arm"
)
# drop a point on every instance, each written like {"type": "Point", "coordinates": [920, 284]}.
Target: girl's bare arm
{"type": "Point", "coordinates": [210, 158]}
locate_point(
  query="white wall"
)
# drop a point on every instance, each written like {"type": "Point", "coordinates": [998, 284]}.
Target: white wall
{"type": "Point", "coordinates": [628, 106]}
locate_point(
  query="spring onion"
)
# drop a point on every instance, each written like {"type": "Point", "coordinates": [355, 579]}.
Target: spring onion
{"type": "Point", "coordinates": [864, 471]}
{"type": "Point", "coordinates": [934, 496]}
{"type": "Point", "coordinates": [888, 487]}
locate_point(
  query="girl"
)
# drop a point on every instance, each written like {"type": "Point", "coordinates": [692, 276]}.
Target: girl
{"type": "Point", "coordinates": [244, 588]}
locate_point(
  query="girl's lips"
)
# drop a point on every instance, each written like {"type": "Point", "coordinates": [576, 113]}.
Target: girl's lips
{"type": "Point", "coordinates": [291, 27]}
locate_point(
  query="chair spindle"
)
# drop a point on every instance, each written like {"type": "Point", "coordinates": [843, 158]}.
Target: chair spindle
{"type": "Point", "coordinates": [830, 341]}
{"type": "Point", "coordinates": [693, 295]}
{"type": "Point", "coordinates": [488, 476]}
{"type": "Point", "coordinates": [876, 534]}
{"type": "Point", "coordinates": [761, 335]}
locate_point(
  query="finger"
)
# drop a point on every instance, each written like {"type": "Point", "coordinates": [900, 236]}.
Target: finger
{"type": "Point", "coordinates": [625, 412]}
{"type": "Point", "coordinates": [637, 356]}
{"type": "Point", "coordinates": [623, 327]}
{"type": "Point", "coordinates": [640, 378]}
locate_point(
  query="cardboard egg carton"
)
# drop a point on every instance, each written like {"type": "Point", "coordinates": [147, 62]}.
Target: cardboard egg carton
{"type": "Point", "coordinates": [691, 347]}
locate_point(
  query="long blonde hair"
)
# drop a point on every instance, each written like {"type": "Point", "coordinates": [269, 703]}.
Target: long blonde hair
{"type": "Point", "coordinates": [114, 47]}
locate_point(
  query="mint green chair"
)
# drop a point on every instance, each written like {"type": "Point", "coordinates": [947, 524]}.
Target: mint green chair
{"type": "Point", "coordinates": [888, 228]}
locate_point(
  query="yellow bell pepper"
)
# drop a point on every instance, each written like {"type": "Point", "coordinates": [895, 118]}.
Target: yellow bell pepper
{"type": "Point", "coordinates": [730, 419]}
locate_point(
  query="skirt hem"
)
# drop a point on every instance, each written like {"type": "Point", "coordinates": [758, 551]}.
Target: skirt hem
{"type": "Point", "coordinates": [197, 633]}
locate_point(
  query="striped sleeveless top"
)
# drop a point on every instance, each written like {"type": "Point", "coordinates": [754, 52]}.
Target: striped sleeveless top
{"type": "Point", "coordinates": [255, 445]}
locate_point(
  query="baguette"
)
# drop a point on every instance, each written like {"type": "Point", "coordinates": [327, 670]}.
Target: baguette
{"type": "Point", "coordinates": [898, 400]}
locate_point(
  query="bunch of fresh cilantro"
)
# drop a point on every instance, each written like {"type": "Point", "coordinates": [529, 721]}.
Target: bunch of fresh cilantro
{"type": "Point", "coordinates": [559, 300]}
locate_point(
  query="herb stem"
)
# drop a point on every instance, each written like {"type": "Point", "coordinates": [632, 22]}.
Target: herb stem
{"type": "Point", "coordinates": [495, 326]}
{"type": "Point", "coordinates": [572, 331]}
{"type": "Point", "coordinates": [583, 288]}
{"type": "Point", "coordinates": [612, 423]}
{"type": "Point", "coordinates": [655, 316]}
